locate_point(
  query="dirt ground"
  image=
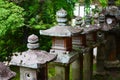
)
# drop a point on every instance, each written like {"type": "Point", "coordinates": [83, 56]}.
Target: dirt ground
{"type": "Point", "coordinates": [110, 75]}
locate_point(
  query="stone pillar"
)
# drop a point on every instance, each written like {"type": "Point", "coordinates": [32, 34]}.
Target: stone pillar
{"type": "Point", "coordinates": [111, 48]}
{"type": "Point", "coordinates": [111, 60]}
{"type": "Point", "coordinates": [88, 65]}
{"type": "Point", "coordinates": [62, 72]}
{"type": "Point", "coordinates": [100, 60]}
{"type": "Point", "coordinates": [77, 68]}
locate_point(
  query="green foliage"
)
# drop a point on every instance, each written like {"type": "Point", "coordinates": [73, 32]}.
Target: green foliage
{"type": "Point", "coordinates": [103, 3]}
{"type": "Point", "coordinates": [11, 20]}
{"type": "Point", "coordinates": [31, 8]}
{"type": "Point", "coordinates": [10, 43]}
{"type": "Point", "coordinates": [11, 17]}
{"type": "Point", "coordinates": [87, 6]}
{"type": "Point", "coordinates": [50, 8]}
{"type": "Point", "coordinates": [117, 2]}
{"type": "Point", "coordinates": [14, 28]}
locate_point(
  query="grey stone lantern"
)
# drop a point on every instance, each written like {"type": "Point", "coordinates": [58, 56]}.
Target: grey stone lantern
{"type": "Point", "coordinates": [62, 35]}
{"type": "Point", "coordinates": [62, 42]}
{"type": "Point", "coordinates": [79, 40]}
{"type": "Point", "coordinates": [33, 62]}
{"type": "Point", "coordinates": [110, 28]}
{"type": "Point", "coordinates": [5, 72]}
{"type": "Point", "coordinates": [90, 31]}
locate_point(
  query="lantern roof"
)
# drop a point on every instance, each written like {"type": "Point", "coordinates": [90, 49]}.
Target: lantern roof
{"type": "Point", "coordinates": [32, 58]}
{"type": "Point", "coordinates": [5, 72]}
{"type": "Point", "coordinates": [91, 28]}
{"type": "Point", "coordinates": [62, 29]}
{"type": "Point", "coordinates": [87, 28]}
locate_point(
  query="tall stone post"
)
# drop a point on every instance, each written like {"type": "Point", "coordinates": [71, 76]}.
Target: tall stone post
{"type": "Point", "coordinates": [77, 68]}
{"type": "Point", "coordinates": [88, 65]}
{"type": "Point", "coordinates": [100, 54]}
{"type": "Point", "coordinates": [63, 72]}
{"type": "Point", "coordinates": [100, 60]}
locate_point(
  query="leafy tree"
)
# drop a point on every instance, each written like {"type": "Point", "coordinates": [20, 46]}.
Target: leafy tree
{"type": "Point", "coordinates": [11, 20]}
{"type": "Point", "coordinates": [38, 15]}
{"type": "Point", "coordinates": [117, 2]}
{"type": "Point", "coordinates": [11, 17]}
{"type": "Point", "coordinates": [52, 6]}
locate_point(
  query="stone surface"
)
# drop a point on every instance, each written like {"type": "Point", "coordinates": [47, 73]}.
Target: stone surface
{"type": "Point", "coordinates": [5, 72]}
{"type": "Point", "coordinates": [60, 31]}
{"type": "Point", "coordinates": [65, 57]}
{"type": "Point", "coordinates": [32, 58]}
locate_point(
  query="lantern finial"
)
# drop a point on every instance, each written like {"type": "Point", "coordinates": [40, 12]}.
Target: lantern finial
{"type": "Point", "coordinates": [61, 17]}
{"type": "Point", "coordinates": [32, 42]}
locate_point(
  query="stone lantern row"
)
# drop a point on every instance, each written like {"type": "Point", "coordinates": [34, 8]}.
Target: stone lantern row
{"type": "Point", "coordinates": [67, 43]}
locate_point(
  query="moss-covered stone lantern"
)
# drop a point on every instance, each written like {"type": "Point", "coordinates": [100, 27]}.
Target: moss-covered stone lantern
{"type": "Point", "coordinates": [62, 42]}
{"type": "Point", "coordinates": [111, 32]}
{"type": "Point", "coordinates": [33, 62]}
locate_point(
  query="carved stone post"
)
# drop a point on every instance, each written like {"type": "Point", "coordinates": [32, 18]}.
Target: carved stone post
{"type": "Point", "coordinates": [77, 68]}
{"type": "Point", "coordinates": [100, 59]}
{"type": "Point", "coordinates": [88, 65]}
{"type": "Point", "coordinates": [101, 48]}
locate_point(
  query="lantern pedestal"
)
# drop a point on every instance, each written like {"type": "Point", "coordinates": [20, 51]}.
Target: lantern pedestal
{"type": "Point", "coordinates": [63, 61]}
{"type": "Point", "coordinates": [88, 65]}
{"type": "Point", "coordinates": [77, 68]}
{"type": "Point", "coordinates": [78, 42]}
{"type": "Point", "coordinates": [111, 60]}
{"type": "Point", "coordinates": [100, 60]}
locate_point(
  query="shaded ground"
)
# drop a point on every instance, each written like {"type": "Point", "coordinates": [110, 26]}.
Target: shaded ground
{"type": "Point", "coordinates": [111, 75]}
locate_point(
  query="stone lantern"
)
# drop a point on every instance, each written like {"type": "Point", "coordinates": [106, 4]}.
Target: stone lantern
{"type": "Point", "coordinates": [79, 43]}
{"type": "Point", "coordinates": [33, 62]}
{"type": "Point", "coordinates": [90, 31]}
{"type": "Point", "coordinates": [5, 72]}
{"type": "Point", "coordinates": [62, 43]}
{"type": "Point", "coordinates": [111, 32]}
{"type": "Point", "coordinates": [79, 40]}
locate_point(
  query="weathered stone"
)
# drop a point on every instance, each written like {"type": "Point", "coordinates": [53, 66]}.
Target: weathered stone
{"type": "Point", "coordinates": [33, 62]}
{"type": "Point", "coordinates": [5, 72]}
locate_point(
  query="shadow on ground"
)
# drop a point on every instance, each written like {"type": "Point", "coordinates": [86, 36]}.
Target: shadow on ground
{"type": "Point", "coordinates": [111, 75]}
